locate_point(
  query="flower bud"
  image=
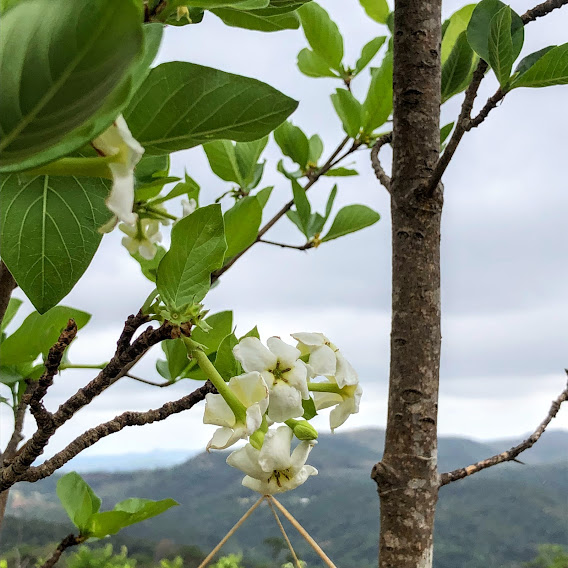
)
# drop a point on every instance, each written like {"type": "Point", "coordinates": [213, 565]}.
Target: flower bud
{"type": "Point", "coordinates": [303, 430]}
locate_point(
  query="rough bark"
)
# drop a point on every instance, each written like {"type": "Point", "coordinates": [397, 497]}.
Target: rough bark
{"type": "Point", "coordinates": [407, 477]}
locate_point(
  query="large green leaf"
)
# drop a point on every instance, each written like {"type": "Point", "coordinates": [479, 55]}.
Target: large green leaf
{"type": "Point", "coordinates": [221, 325]}
{"type": "Point", "coordinates": [457, 68]}
{"type": "Point", "coordinates": [12, 309]}
{"type": "Point", "coordinates": [223, 160]}
{"type": "Point", "coordinates": [501, 45]}
{"type": "Point", "coordinates": [455, 25]}
{"type": "Point", "coordinates": [313, 65]}
{"type": "Point", "coordinates": [181, 105]}
{"type": "Point", "coordinates": [479, 28]}
{"type": "Point", "coordinates": [212, 4]}
{"type": "Point", "coordinates": [551, 68]}
{"type": "Point", "coordinates": [252, 20]}
{"type": "Point", "coordinates": [242, 222]}
{"type": "Point", "coordinates": [248, 154]}
{"type": "Point", "coordinates": [369, 51]}
{"type": "Point", "coordinates": [322, 34]}
{"type": "Point", "coordinates": [378, 103]}
{"type": "Point", "coordinates": [349, 110]}
{"type": "Point", "coordinates": [378, 10]}
{"type": "Point", "coordinates": [293, 143]}
{"type": "Point", "coordinates": [49, 232]}
{"type": "Point", "coordinates": [198, 248]}
{"type": "Point", "coordinates": [77, 498]}
{"type": "Point", "coordinates": [38, 333]}
{"type": "Point", "coordinates": [50, 89]}
{"type": "Point", "coordinates": [350, 219]}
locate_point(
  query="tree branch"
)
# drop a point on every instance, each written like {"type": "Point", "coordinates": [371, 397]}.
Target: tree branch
{"type": "Point", "coordinates": [307, 246]}
{"type": "Point", "coordinates": [67, 542]}
{"type": "Point", "coordinates": [333, 160]}
{"type": "Point", "coordinates": [146, 382]}
{"type": "Point", "coordinates": [93, 435]}
{"type": "Point", "coordinates": [465, 123]}
{"type": "Point", "coordinates": [509, 455]}
{"type": "Point", "coordinates": [379, 172]}
{"type": "Point", "coordinates": [7, 286]}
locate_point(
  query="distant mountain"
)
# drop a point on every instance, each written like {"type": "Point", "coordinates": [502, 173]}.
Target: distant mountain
{"type": "Point", "coordinates": [128, 462]}
{"type": "Point", "coordinates": [496, 519]}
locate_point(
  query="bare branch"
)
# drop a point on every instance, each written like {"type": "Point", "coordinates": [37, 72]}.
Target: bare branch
{"type": "Point", "coordinates": [93, 435]}
{"type": "Point", "coordinates": [509, 455]}
{"type": "Point", "coordinates": [379, 172]}
{"type": "Point", "coordinates": [333, 160]}
{"type": "Point", "coordinates": [307, 246]}
{"type": "Point", "coordinates": [67, 542]}
{"type": "Point", "coordinates": [542, 10]}
{"type": "Point", "coordinates": [7, 286]}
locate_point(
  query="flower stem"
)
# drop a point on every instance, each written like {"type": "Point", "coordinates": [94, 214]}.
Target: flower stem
{"type": "Point", "coordinates": [324, 387]}
{"type": "Point", "coordinates": [195, 351]}
{"type": "Point", "coordinates": [86, 366]}
{"type": "Point", "coordinates": [87, 167]}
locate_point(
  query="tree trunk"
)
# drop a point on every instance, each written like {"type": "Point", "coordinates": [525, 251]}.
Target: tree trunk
{"type": "Point", "coordinates": [407, 476]}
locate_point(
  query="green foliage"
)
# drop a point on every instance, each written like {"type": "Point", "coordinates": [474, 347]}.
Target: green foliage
{"type": "Point", "coordinates": [82, 507]}
{"type": "Point", "coordinates": [242, 222]}
{"type": "Point", "coordinates": [458, 68]}
{"type": "Point", "coordinates": [43, 107]}
{"type": "Point", "coordinates": [501, 45]}
{"type": "Point", "coordinates": [293, 143]}
{"type": "Point", "coordinates": [12, 309]}
{"type": "Point", "coordinates": [197, 249]}
{"type": "Point", "coordinates": [453, 27]}
{"type": "Point", "coordinates": [545, 68]}
{"type": "Point", "coordinates": [479, 29]}
{"type": "Point", "coordinates": [264, 20]}
{"type": "Point", "coordinates": [350, 219]}
{"type": "Point", "coordinates": [49, 232]}
{"type": "Point", "coordinates": [377, 106]}
{"type": "Point", "coordinates": [378, 10]}
{"type": "Point", "coordinates": [223, 106]}
{"type": "Point", "coordinates": [369, 50]}
{"type": "Point", "coordinates": [550, 556]}
{"type": "Point", "coordinates": [229, 561]}
{"type": "Point", "coordinates": [87, 557]}
{"type": "Point", "coordinates": [349, 110]}
{"type": "Point", "coordinates": [37, 334]}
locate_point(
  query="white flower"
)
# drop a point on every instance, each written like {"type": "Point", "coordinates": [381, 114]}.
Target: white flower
{"type": "Point", "coordinates": [284, 374]}
{"type": "Point", "coordinates": [272, 469]}
{"type": "Point", "coordinates": [346, 402]}
{"type": "Point", "coordinates": [252, 391]}
{"type": "Point", "coordinates": [188, 207]}
{"type": "Point", "coordinates": [141, 238]}
{"type": "Point", "coordinates": [117, 141]}
{"type": "Point", "coordinates": [325, 358]}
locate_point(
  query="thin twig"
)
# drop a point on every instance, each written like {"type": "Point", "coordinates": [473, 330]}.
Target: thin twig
{"type": "Point", "coordinates": [67, 542]}
{"type": "Point", "coordinates": [231, 532]}
{"type": "Point", "coordinates": [465, 123]}
{"type": "Point", "coordinates": [307, 246]}
{"type": "Point", "coordinates": [290, 547]}
{"type": "Point", "coordinates": [509, 455]}
{"type": "Point", "coordinates": [147, 382]}
{"type": "Point", "coordinates": [333, 160]}
{"type": "Point", "coordinates": [379, 171]}
{"type": "Point", "coordinates": [92, 436]}
{"type": "Point", "coordinates": [303, 532]}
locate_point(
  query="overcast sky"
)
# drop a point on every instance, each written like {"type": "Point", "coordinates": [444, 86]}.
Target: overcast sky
{"type": "Point", "coordinates": [504, 244]}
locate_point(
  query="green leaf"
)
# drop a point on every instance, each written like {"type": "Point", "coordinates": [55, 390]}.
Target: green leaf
{"type": "Point", "coordinates": [142, 509]}
{"type": "Point", "coordinates": [151, 167]}
{"type": "Point", "coordinates": [12, 309]}
{"type": "Point", "coordinates": [202, 104]}
{"type": "Point", "coordinates": [445, 132]}
{"type": "Point", "coordinates": [251, 20]}
{"type": "Point", "coordinates": [348, 108]}
{"type": "Point", "coordinates": [212, 4]}
{"type": "Point", "coordinates": [252, 333]}
{"type": "Point", "coordinates": [322, 34]}
{"type": "Point", "coordinates": [49, 232]}
{"type": "Point", "coordinates": [223, 161]}
{"type": "Point", "coordinates": [455, 25]}
{"type": "Point", "coordinates": [341, 172]}
{"type": "Point", "coordinates": [78, 499]}
{"type": "Point", "coordinates": [309, 409]}
{"type": "Point", "coordinates": [330, 201]}
{"type": "Point", "coordinates": [501, 45]}
{"type": "Point", "coordinates": [264, 195]}
{"type": "Point", "coordinates": [221, 325]}
{"type": "Point", "coordinates": [38, 333]}
{"type": "Point", "coordinates": [242, 222]}
{"type": "Point", "coordinates": [10, 374]}
{"type": "Point", "coordinates": [479, 28]}
{"type": "Point", "coordinates": [107, 523]}
{"type": "Point", "coordinates": [369, 51]}
{"type": "Point", "coordinates": [457, 68]}
{"type": "Point", "coordinates": [198, 248]}
{"type": "Point", "coordinates": [315, 149]}
{"type": "Point", "coordinates": [377, 10]}
{"type": "Point", "coordinates": [150, 190]}
{"type": "Point", "coordinates": [303, 208]}
{"type": "Point", "coordinates": [190, 188]}
{"type": "Point", "coordinates": [41, 103]}
{"type": "Point", "coordinates": [149, 268]}
{"type": "Point", "coordinates": [550, 69]}
{"type": "Point", "coordinates": [248, 154]}
{"type": "Point", "coordinates": [313, 65]}
{"type": "Point", "coordinates": [176, 358]}
{"type": "Point", "coordinates": [527, 62]}
{"type": "Point", "coordinates": [225, 361]}
{"type": "Point", "coordinates": [350, 219]}
{"type": "Point", "coordinates": [293, 143]}
{"type": "Point", "coordinates": [378, 103]}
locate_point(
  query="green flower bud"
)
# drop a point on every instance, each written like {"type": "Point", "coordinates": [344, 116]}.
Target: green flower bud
{"type": "Point", "coordinates": [303, 430]}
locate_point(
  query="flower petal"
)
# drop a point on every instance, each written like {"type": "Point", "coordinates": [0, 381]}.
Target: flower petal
{"type": "Point", "coordinates": [217, 411]}
{"type": "Point", "coordinates": [310, 339]}
{"type": "Point", "coordinates": [275, 452]}
{"type": "Point", "coordinates": [300, 455]}
{"type": "Point", "coordinates": [249, 388]}
{"type": "Point", "coordinates": [285, 402]}
{"type": "Point", "coordinates": [326, 399]}
{"type": "Point", "coordinates": [345, 373]}
{"type": "Point", "coordinates": [285, 353]}
{"type": "Point", "coordinates": [323, 360]}
{"type": "Point", "coordinates": [246, 459]}
{"type": "Point", "coordinates": [253, 355]}
{"type": "Point", "coordinates": [298, 479]}
{"type": "Point", "coordinates": [257, 485]}
{"type": "Point", "coordinates": [254, 418]}
{"type": "Point", "coordinates": [297, 377]}
{"type": "Point", "coordinates": [225, 437]}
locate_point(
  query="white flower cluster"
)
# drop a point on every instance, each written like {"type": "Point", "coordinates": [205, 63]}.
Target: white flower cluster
{"type": "Point", "coordinates": [277, 381]}
{"type": "Point", "coordinates": [142, 235]}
